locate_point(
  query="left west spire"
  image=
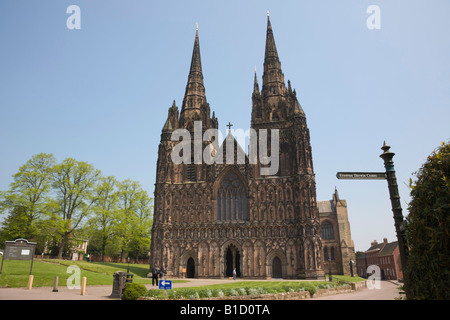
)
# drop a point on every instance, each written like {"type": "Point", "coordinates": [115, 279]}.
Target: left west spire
{"type": "Point", "coordinates": [194, 107]}
{"type": "Point", "coordinates": [194, 96]}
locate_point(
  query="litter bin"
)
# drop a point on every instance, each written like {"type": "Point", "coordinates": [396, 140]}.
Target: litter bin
{"type": "Point", "coordinates": [118, 284]}
{"type": "Point", "coordinates": [129, 278]}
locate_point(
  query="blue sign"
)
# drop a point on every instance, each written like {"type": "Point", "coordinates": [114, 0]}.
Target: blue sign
{"type": "Point", "coordinates": [165, 284]}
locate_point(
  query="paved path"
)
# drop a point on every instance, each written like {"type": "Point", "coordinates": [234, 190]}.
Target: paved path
{"type": "Point", "coordinates": [388, 291]}
{"type": "Point", "coordinates": [92, 292]}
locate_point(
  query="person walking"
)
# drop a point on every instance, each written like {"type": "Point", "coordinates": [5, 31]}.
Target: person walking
{"type": "Point", "coordinates": [155, 273]}
{"type": "Point", "coordinates": [234, 274]}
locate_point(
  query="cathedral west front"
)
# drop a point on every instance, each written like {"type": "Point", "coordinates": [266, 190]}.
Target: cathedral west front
{"type": "Point", "coordinates": [244, 213]}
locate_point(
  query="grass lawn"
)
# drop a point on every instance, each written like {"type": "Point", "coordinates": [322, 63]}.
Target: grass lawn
{"type": "Point", "coordinates": [16, 272]}
{"type": "Point", "coordinates": [348, 278]}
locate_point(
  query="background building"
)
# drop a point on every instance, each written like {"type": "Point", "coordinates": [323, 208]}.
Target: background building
{"type": "Point", "coordinates": [386, 256]}
{"type": "Point", "coordinates": [337, 241]}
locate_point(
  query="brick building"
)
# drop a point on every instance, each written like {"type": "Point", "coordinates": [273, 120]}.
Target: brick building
{"type": "Point", "coordinates": [386, 256]}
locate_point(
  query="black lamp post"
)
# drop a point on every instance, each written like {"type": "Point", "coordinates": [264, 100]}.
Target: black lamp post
{"type": "Point", "coordinates": [329, 264]}
{"type": "Point", "coordinates": [396, 208]}
{"type": "Point", "coordinates": [351, 267]}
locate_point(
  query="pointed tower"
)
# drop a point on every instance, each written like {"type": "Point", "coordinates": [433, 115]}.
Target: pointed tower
{"type": "Point", "coordinates": [278, 103]}
{"type": "Point", "coordinates": [257, 102]}
{"type": "Point", "coordinates": [195, 107]}
{"type": "Point", "coordinates": [277, 108]}
{"type": "Point", "coordinates": [273, 87]}
{"type": "Point", "coordinates": [171, 123]}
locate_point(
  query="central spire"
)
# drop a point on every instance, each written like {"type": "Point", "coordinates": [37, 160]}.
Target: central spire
{"type": "Point", "coordinates": [194, 96]}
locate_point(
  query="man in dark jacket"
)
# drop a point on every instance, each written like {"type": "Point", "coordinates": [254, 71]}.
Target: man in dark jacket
{"type": "Point", "coordinates": [155, 273]}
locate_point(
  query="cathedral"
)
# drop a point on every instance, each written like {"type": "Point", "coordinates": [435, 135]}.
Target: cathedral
{"type": "Point", "coordinates": [213, 217]}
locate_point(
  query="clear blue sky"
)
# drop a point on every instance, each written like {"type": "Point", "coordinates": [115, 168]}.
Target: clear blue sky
{"type": "Point", "coordinates": [101, 94]}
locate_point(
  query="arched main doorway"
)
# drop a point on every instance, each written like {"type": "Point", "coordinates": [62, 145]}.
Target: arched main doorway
{"type": "Point", "coordinates": [277, 271]}
{"type": "Point", "coordinates": [190, 268]}
{"type": "Point", "coordinates": [232, 260]}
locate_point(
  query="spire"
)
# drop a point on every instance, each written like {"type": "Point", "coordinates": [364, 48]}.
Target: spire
{"type": "Point", "coordinates": [255, 85]}
{"type": "Point", "coordinates": [194, 96]}
{"type": "Point", "coordinates": [271, 48]}
{"type": "Point", "coordinates": [172, 118]}
{"type": "Point", "coordinates": [336, 195]}
{"type": "Point", "coordinates": [273, 78]}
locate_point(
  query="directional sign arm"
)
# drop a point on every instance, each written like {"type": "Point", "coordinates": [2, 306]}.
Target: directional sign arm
{"type": "Point", "coordinates": [361, 175]}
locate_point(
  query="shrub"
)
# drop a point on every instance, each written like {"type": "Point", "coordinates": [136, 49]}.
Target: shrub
{"type": "Point", "coordinates": [233, 293]}
{"type": "Point", "coordinates": [243, 291]}
{"type": "Point", "coordinates": [309, 287]}
{"type": "Point", "coordinates": [133, 291]}
{"type": "Point", "coordinates": [155, 293]}
{"type": "Point", "coordinates": [253, 291]}
{"type": "Point", "coordinates": [428, 229]}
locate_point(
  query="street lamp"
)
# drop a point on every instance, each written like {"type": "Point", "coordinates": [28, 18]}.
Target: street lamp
{"type": "Point", "coordinates": [351, 267]}
{"type": "Point", "coordinates": [396, 208]}
{"type": "Point", "coordinates": [329, 264]}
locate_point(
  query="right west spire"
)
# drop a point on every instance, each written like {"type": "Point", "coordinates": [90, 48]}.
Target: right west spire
{"type": "Point", "coordinates": [273, 85]}
{"type": "Point", "coordinates": [275, 102]}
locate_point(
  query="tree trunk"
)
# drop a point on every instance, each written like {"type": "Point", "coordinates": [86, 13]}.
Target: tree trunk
{"type": "Point", "coordinates": [103, 248]}
{"type": "Point", "coordinates": [61, 246]}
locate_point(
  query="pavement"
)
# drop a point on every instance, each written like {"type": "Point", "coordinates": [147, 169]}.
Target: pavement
{"type": "Point", "coordinates": [388, 291]}
{"type": "Point", "coordinates": [92, 292]}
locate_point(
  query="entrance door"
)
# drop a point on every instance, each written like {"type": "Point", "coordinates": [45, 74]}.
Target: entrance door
{"type": "Point", "coordinates": [190, 268]}
{"type": "Point", "coordinates": [232, 261]}
{"type": "Point", "coordinates": [229, 263]}
{"type": "Point", "coordinates": [276, 268]}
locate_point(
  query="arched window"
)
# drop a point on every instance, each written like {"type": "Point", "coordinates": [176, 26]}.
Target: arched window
{"type": "Point", "coordinates": [231, 199]}
{"type": "Point", "coordinates": [327, 231]}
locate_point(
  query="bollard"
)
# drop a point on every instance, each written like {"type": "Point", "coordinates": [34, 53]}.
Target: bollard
{"type": "Point", "coordinates": [30, 282]}
{"type": "Point", "coordinates": [83, 286]}
{"type": "Point", "coordinates": [55, 284]}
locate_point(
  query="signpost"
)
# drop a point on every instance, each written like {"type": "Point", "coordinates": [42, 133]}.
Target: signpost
{"type": "Point", "coordinates": [389, 175]}
{"type": "Point", "coordinates": [19, 249]}
{"type": "Point", "coordinates": [165, 284]}
{"type": "Point", "coordinates": [361, 175]}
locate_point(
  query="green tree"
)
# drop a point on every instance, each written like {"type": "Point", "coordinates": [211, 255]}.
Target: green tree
{"type": "Point", "coordinates": [132, 223]}
{"type": "Point", "coordinates": [27, 198]}
{"type": "Point", "coordinates": [141, 225]}
{"type": "Point", "coordinates": [427, 231]}
{"type": "Point", "coordinates": [105, 212]}
{"type": "Point", "coordinates": [15, 225]}
{"type": "Point", "coordinates": [74, 183]}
